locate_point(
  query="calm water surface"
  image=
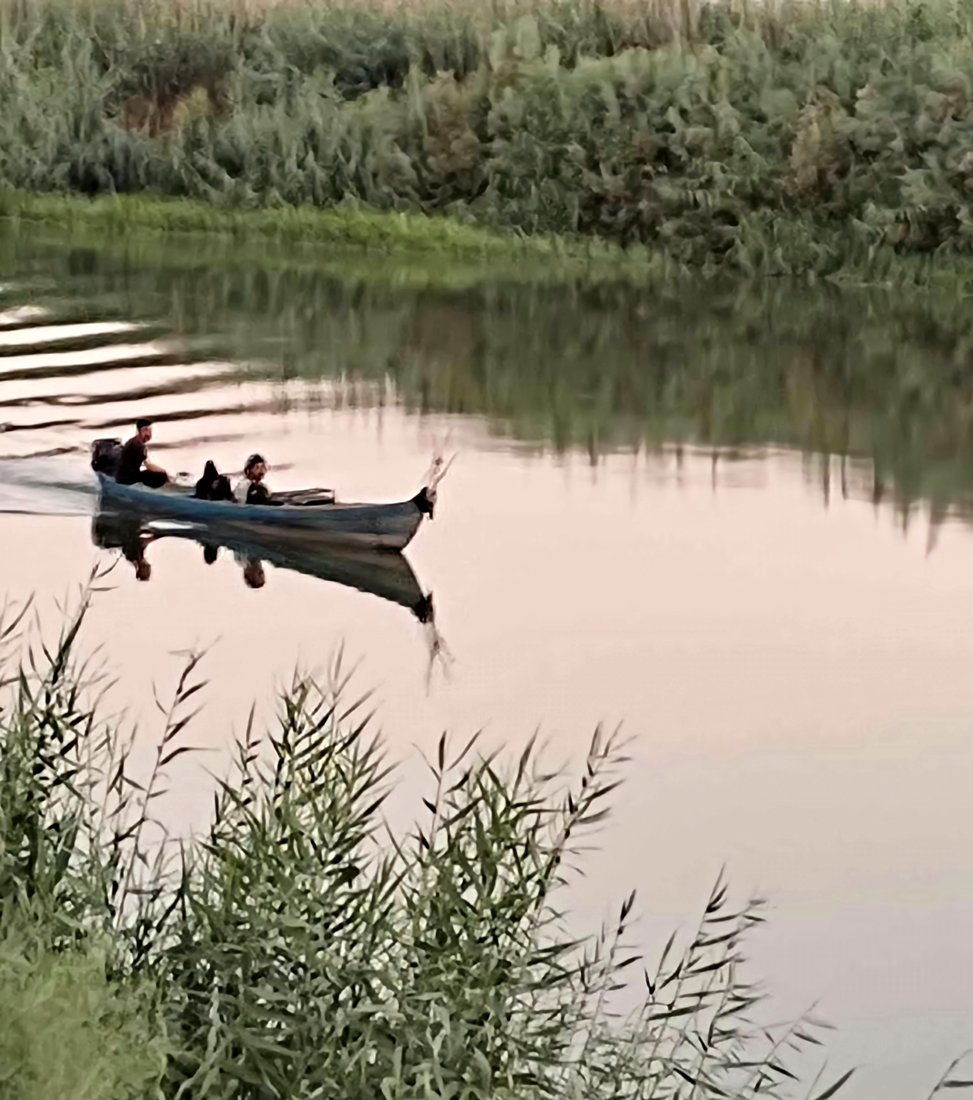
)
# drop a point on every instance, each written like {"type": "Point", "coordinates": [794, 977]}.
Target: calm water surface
{"type": "Point", "coordinates": [737, 522]}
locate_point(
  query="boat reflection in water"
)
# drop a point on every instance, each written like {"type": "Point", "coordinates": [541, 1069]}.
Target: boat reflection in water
{"type": "Point", "coordinates": [383, 573]}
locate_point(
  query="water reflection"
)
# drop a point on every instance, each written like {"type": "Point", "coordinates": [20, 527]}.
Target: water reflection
{"type": "Point", "coordinates": [792, 670]}
{"type": "Point", "coordinates": [877, 380]}
{"type": "Point", "coordinates": [386, 574]}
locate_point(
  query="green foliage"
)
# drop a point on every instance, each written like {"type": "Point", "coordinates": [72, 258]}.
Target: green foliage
{"type": "Point", "coordinates": [302, 948]}
{"type": "Point", "coordinates": [348, 226]}
{"type": "Point", "coordinates": [791, 139]}
{"type": "Point", "coordinates": [67, 1029]}
{"type": "Point", "coordinates": [70, 1023]}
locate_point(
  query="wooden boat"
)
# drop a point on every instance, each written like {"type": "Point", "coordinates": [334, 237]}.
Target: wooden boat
{"type": "Point", "coordinates": [382, 573]}
{"type": "Point", "coordinates": [374, 526]}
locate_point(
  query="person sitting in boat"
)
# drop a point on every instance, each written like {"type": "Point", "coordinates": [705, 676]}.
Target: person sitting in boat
{"type": "Point", "coordinates": [251, 489]}
{"type": "Point", "coordinates": [134, 467]}
{"type": "Point", "coordinates": [213, 485]}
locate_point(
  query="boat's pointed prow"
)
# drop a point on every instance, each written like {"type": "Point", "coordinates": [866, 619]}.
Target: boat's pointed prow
{"type": "Point", "coordinates": [425, 501]}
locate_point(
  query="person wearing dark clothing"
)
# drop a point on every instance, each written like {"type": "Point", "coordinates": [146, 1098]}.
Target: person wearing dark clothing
{"type": "Point", "coordinates": [134, 467]}
{"type": "Point", "coordinates": [213, 485]}
{"type": "Point", "coordinates": [258, 493]}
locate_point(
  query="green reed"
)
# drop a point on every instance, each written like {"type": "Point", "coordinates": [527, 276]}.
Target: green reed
{"type": "Point", "coordinates": [300, 947]}
{"type": "Point", "coordinates": [819, 138]}
{"type": "Point", "coordinates": [347, 227]}
{"type": "Point", "coordinates": [67, 1029]}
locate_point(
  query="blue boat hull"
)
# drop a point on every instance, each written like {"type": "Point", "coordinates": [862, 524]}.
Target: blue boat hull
{"type": "Point", "coordinates": [375, 526]}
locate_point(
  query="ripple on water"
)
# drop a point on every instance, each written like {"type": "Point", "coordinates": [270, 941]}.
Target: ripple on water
{"type": "Point", "coordinates": [66, 377]}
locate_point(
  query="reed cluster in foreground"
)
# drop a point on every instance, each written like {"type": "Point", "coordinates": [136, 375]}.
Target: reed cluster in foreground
{"type": "Point", "coordinates": [299, 949]}
{"type": "Point", "coordinates": [779, 139]}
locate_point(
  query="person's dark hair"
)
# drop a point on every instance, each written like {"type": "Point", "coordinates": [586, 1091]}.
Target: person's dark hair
{"type": "Point", "coordinates": [142, 423]}
{"type": "Point", "coordinates": [253, 573]}
{"type": "Point", "coordinates": [252, 461]}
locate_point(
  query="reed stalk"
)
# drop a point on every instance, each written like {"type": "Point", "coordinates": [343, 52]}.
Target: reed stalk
{"type": "Point", "coordinates": [299, 948]}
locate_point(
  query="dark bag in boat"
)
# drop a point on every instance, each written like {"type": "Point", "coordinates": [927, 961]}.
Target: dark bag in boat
{"type": "Point", "coordinates": [105, 455]}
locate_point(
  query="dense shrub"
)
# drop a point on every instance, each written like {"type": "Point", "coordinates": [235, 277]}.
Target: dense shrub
{"type": "Point", "coordinates": [796, 139]}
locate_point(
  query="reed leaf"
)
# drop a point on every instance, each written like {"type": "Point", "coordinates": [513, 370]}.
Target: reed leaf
{"type": "Point", "coordinates": [293, 950]}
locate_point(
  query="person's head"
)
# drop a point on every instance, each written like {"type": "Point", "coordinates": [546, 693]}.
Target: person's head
{"type": "Point", "coordinates": [253, 573]}
{"type": "Point", "coordinates": [143, 569]}
{"type": "Point", "coordinates": [255, 468]}
{"type": "Point", "coordinates": [143, 429]}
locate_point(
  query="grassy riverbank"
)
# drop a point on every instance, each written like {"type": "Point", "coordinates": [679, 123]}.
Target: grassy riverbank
{"type": "Point", "coordinates": [413, 245]}
{"type": "Point", "coordinates": [780, 139]}
{"type": "Point", "coordinates": [297, 949]}
{"type": "Point", "coordinates": [348, 226]}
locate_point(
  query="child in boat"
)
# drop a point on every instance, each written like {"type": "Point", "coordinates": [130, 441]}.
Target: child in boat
{"type": "Point", "coordinates": [250, 489]}
{"type": "Point", "coordinates": [213, 485]}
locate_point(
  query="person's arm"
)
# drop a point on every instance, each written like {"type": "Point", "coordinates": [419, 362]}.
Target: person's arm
{"type": "Point", "coordinates": [151, 466]}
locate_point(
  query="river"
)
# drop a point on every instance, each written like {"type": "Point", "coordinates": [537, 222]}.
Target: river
{"type": "Point", "coordinates": [735, 520]}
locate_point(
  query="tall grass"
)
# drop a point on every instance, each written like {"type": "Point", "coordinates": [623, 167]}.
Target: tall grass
{"type": "Point", "coordinates": [67, 1028]}
{"type": "Point", "coordinates": [301, 948]}
{"type": "Point", "coordinates": [772, 138]}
